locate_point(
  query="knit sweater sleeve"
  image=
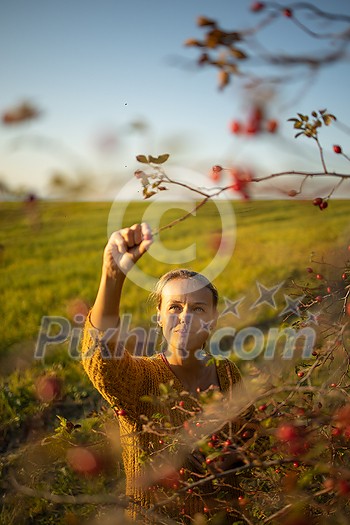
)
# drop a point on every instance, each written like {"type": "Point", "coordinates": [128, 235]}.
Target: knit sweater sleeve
{"type": "Point", "coordinates": [117, 375]}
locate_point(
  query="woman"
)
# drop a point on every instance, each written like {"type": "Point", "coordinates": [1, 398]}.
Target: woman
{"type": "Point", "coordinates": [186, 313]}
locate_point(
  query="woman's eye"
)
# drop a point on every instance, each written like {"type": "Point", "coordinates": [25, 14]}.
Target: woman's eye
{"type": "Point", "coordinates": [199, 309]}
{"type": "Point", "coordinates": [174, 307]}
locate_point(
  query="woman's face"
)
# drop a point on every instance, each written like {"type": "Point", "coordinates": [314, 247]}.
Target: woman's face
{"type": "Point", "coordinates": [187, 314]}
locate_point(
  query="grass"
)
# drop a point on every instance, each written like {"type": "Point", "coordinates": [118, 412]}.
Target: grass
{"type": "Point", "coordinates": [45, 269]}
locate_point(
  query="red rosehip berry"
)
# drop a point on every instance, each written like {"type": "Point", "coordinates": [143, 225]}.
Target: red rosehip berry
{"type": "Point", "coordinates": [190, 491]}
{"type": "Point", "coordinates": [319, 298]}
{"type": "Point", "coordinates": [333, 385]}
{"type": "Point", "coordinates": [336, 432]}
{"type": "Point", "coordinates": [262, 408]}
{"type": "Point", "coordinates": [287, 432]}
{"type": "Point", "coordinates": [271, 126]}
{"type": "Point", "coordinates": [337, 149]}
{"type": "Point", "coordinates": [288, 12]}
{"type": "Point", "coordinates": [344, 487]}
{"type": "Point", "coordinates": [292, 193]}
{"type": "Point", "coordinates": [344, 276]}
{"type": "Point", "coordinates": [323, 205]}
{"type": "Point", "coordinates": [235, 127]}
{"type": "Point", "coordinates": [295, 464]}
{"type": "Point", "coordinates": [300, 374]}
{"type": "Point", "coordinates": [228, 443]}
{"type": "Point", "coordinates": [257, 6]}
{"type": "Point", "coordinates": [317, 201]}
{"type": "Point", "coordinates": [329, 289]}
{"type": "Point", "coordinates": [242, 501]}
{"type": "Point", "coordinates": [208, 461]}
{"type": "Point", "coordinates": [251, 128]}
{"type": "Point", "coordinates": [319, 276]}
{"type": "Point", "coordinates": [217, 169]}
{"type": "Point", "coordinates": [182, 471]}
{"type": "Point", "coordinates": [121, 412]}
{"type": "Point", "coordinates": [181, 404]}
{"type": "Point", "coordinates": [309, 270]}
{"type": "Point", "coordinates": [206, 510]}
{"type": "Point", "coordinates": [211, 444]}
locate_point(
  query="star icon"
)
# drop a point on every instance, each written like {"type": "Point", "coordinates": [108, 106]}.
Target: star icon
{"type": "Point", "coordinates": [292, 305]}
{"type": "Point", "coordinates": [205, 326]}
{"type": "Point", "coordinates": [312, 318]}
{"type": "Point", "coordinates": [266, 295]}
{"type": "Point", "coordinates": [231, 307]}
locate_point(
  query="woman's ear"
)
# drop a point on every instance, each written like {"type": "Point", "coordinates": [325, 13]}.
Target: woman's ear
{"type": "Point", "coordinates": [159, 320]}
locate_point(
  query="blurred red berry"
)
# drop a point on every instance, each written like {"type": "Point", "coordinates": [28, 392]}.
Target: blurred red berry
{"type": "Point", "coordinates": [121, 412]}
{"type": "Point", "coordinates": [292, 193]}
{"type": "Point", "coordinates": [301, 374]}
{"type": "Point", "coordinates": [319, 298]}
{"type": "Point", "coordinates": [309, 269]}
{"type": "Point", "coordinates": [343, 487]}
{"type": "Point", "coordinates": [319, 276]}
{"type": "Point", "coordinates": [337, 148]}
{"type": "Point", "coordinates": [287, 432]}
{"type": "Point", "coordinates": [257, 6]}
{"type": "Point", "coordinates": [235, 126]}
{"type": "Point", "coordinates": [317, 201]}
{"type": "Point", "coordinates": [344, 276]}
{"type": "Point", "coordinates": [287, 12]}
{"type": "Point", "coordinates": [84, 461]}
{"type": "Point", "coordinates": [48, 388]}
{"type": "Point", "coordinates": [272, 126]}
{"type": "Point", "coordinates": [323, 205]}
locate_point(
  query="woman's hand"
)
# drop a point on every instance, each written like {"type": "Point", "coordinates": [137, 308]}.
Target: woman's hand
{"type": "Point", "coordinates": [125, 247]}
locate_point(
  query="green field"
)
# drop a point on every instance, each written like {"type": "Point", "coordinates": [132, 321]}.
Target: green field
{"type": "Point", "coordinates": [46, 268]}
{"type": "Point", "coordinates": [50, 265]}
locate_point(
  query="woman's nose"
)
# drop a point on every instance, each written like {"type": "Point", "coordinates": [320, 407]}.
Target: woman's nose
{"type": "Point", "coordinates": [185, 317]}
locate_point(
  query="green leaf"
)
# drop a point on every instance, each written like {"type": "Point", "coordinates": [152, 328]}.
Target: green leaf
{"type": "Point", "coordinates": [158, 160]}
{"type": "Point", "coordinates": [142, 158]}
{"type": "Point", "coordinates": [146, 399]}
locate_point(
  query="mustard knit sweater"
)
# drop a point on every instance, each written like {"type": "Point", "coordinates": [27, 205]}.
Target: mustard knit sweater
{"type": "Point", "coordinates": [123, 382]}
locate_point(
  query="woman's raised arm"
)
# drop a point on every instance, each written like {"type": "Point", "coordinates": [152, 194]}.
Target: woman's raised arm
{"type": "Point", "coordinates": [123, 250]}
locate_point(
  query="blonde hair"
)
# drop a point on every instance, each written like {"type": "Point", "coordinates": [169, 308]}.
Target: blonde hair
{"type": "Point", "coordinates": [182, 273]}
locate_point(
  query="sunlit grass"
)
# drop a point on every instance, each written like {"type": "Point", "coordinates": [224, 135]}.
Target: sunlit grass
{"type": "Point", "coordinates": [45, 268]}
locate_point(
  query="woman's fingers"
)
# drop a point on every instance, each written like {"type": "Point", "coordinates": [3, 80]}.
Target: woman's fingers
{"type": "Point", "coordinates": [117, 240]}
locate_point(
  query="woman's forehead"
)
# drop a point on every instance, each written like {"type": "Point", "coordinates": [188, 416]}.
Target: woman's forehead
{"type": "Point", "coordinates": [191, 289]}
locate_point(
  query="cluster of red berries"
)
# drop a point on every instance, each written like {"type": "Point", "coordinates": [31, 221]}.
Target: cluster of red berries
{"type": "Point", "coordinates": [330, 287]}
{"type": "Point", "coordinates": [321, 203]}
{"type": "Point", "coordinates": [255, 124]}
{"type": "Point", "coordinates": [240, 177]}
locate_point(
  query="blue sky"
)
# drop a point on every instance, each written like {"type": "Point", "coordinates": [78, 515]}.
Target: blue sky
{"type": "Point", "coordinates": [95, 67]}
